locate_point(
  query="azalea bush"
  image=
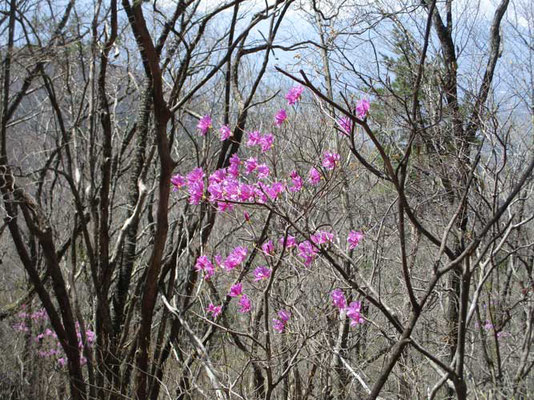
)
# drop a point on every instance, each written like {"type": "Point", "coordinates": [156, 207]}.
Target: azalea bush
{"type": "Point", "coordinates": [250, 194]}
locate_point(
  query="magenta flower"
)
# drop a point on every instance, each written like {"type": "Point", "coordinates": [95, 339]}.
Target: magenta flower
{"type": "Point", "coordinates": [339, 299]}
{"type": "Point", "coordinates": [178, 181]}
{"type": "Point", "coordinates": [296, 179]}
{"type": "Point", "coordinates": [204, 264]}
{"type": "Point", "coordinates": [236, 257]}
{"type": "Point", "coordinates": [218, 176]}
{"type": "Point", "coordinates": [284, 315]}
{"type": "Point", "coordinates": [274, 190]}
{"type": "Point", "coordinates": [308, 252]}
{"type": "Point", "coordinates": [268, 247]}
{"type": "Point", "coordinates": [236, 290]}
{"type": "Point", "coordinates": [263, 171]}
{"type": "Point", "coordinates": [195, 182]}
{"type": "Point", "coordinates": [345, 123]}
{"type": "Point", "coordinates": [214, 310]}
{"type": "Point", "coordinates": [290, 242]}
{"type": "Point", "coordinates": [294, 95]}
{"type": "Point", "coordinates": [330, 160]}
{"type": "Point", "coordinates": [235, 162]}
{"type": "Point", "coordinates": [246, 215]}
{"type": "Point", "coordinates": [354, 239]}
{"type": "Point", "coordinates": [226, 132]}
{"type": "Point", "coordinates": [266, 142]}
{"type": "Point", "coordinates": [280, 117]}
{"type": "Point", "coordinates": [254, 138]}
{"type": "Point", "coordinates": [353, 312]}
{"type": "Point", "coordinates": [204, 125]}
{"type": "Point", "coordinates": [362, 108]}
{"type": "Point", "coordinates": [250, 165]}
{"type": "Point", "coordinates": [261, 273]}
{"type": "Point", "coordinates": [322, 237]}
{"type": "Point", "coordinates": [246, 192]}
{"type": "Point", "coordinates": [314, 176]}
{"type": "Point", "coordinates": [223, 206]}
{"type": "Point", "coordinates": [244, 302]}
{"type": "Point", "coordinates": [279, 324]}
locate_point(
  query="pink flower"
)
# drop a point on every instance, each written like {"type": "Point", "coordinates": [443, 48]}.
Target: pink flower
{"type": "Point", "coordinates": [250, 165]}
{"type": "Point", "coordinates": [62, 361]}
{"type": "Point", "coordinates": [246, 215]}
{"type": "Point", "coordinates": [178, 181]}
{"type": "Point", "coordinates": [235, 162]}
{"type": "Point", "coordinates": [330, 160]}
{"type": "Point", "coordinates": [236, 257]}
{"type": "Point", "coordinates": [339, 299]}
{"type": "Point", "coordinates": [308, 252]}
{"type": "Point", "coordinates": [21, 327]}
{"type": "Point", "coordinates": [280, 117]}
{"type": "Point", "coordinates": [322, 237]}
{"type": "Point", "coordinates": [354, 239]}
{"type": "Point", "coordinates": [268, 247]}
{"type": "Point", "coordinates": [274, 190]}
{"type": "Point", "coordinates": [290, 241]}
{"type": "Point", "coordinates": [314, 176]}
{"type": "Point", "coordinates": [362, 108]}
{"type": "Point", "coordinates": [294, 95]}
{"type": "Point", "coordinates": [204, 264]}
{"type": "Point", "coordinates": [296, 179]}
{"type": "Point", "coordinates": [195, 182]}
{"type": "Point", "coordinates": [90, 335]}
{"type": "Point", "coordinates": [214, 310]}
{"type": "Point", "coordinates": [263, 171]}
{"type": "Point", "coordinates": [204, 125]}
{"type": "Point", "coordinates": [218, 176]}
{"type": "Point", "coordinates": [246, 192]}
{"type": "Point", "coordinates": [266, 142]}
{"type": "Point", "coordinates": [345, 123]}
{"type": "Point", "coordinates": [254, 138]}
{"type": "Point", "coordinates": [244, 302]}
{"type": "Point", "coordinates": [261, 273]}
{"type": "Point", "coordinates": [236, 290]}
{"type": "Point", "coordinates": [353, 312]}
{"type": "Point", "coordinates": [284, 315]}
{"type": "Point", "coordinates": [279, 324]}
{"type": "Point", "coordinates": [226, 132]}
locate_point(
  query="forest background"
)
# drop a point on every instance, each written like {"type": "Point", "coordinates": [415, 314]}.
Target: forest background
{"type": "Point", "coordinates": [280, 199]}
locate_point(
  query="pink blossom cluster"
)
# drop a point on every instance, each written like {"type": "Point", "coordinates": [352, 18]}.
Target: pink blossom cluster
{"type": "Point", "coordinates": [361, 110]}
{"type": "Point", "coordinates": [261, 273]}
{"type": "Point", "coordinates": [233, 260]}
{"type": "Point", "coordinates": [244, 302]}
{"type": "Point", "coordinates": [225, 132]}
{"type": "Point", "coordinates": [204, 125]}
{"type": "Point", "coordinates": [345, 123]}
{"type": "Point", "coordinates": [330, 160]}
{"type": "Point", "coordinates": [294, 95]}
{"type": "Point", "coordinates": [354, 239]}
{"type": "Point", "coordinates": [280, 117]}
{"type": "Point", "coordinates": [214, 310]}
{"type": "Point", "coordinates": [352, 310]}
{"type": "Point", "coordinates": [279, 324]}
{"type": "Point", "coordinates": [46, 340]}
{"type": "Point", "coordinates": [256, 138]}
